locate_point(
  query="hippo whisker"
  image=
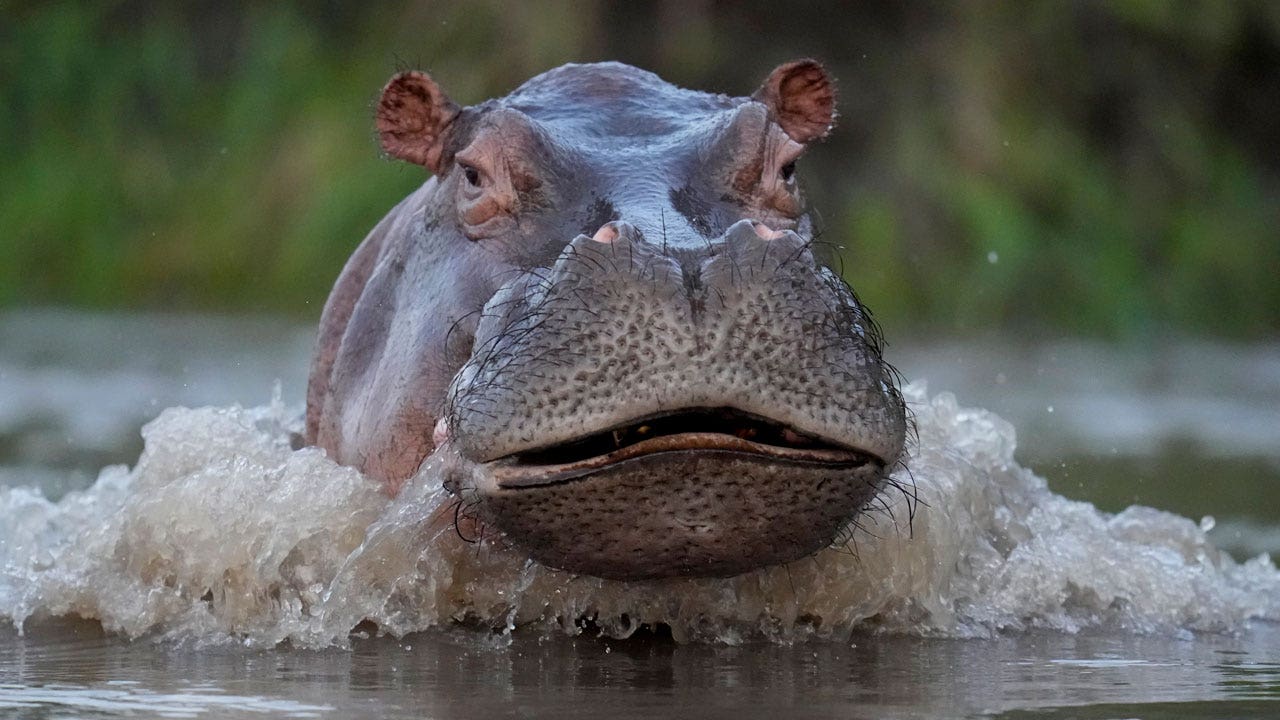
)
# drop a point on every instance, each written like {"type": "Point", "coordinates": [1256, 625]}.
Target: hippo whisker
{"type": "Point", "coordinates": [847, 536]}
{"type": "Point", "coordinates": [585, 256]}
{"type": "Point", "coordinates": [795, 256]}
{"type": "Point", "coordinates": [662, 216]}
{"type": "Point", "coordinates": [909, 490]}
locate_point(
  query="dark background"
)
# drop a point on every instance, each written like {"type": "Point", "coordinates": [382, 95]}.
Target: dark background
{"type": "Point", "coordinates": [1084, 168]}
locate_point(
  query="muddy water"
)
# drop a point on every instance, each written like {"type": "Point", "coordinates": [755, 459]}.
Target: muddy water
{"type": "Point", "coordinates": [221, 543]}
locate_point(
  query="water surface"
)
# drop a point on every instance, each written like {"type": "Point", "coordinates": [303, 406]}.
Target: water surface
{"type": "Point", "coordinates": [1000, 596]}
{"type": "Point", "coordinates": [73, 671]}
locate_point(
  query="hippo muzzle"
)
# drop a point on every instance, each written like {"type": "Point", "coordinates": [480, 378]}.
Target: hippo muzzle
{"type": "Point", "coordinates": [685, 390]}
{"type": "Point", "coordinates": [638, 412]}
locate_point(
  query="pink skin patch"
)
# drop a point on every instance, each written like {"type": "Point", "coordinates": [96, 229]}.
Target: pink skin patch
{"type": "Point", "coordinates": [440, 435]}
{"type": "Point", "coordinates": [765, 232]}
{"type": "Point", "coordinates": [606, 234]}
{"type": "Point", "coordinates": [792, 436]}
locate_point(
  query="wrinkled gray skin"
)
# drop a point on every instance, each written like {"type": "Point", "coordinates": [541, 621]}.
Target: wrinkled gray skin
{"type": "Point", "coordinates": [605, 311]}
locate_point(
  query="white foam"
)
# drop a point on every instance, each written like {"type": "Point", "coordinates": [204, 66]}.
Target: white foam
{"type": "Point", "coordinates": [222, 533]}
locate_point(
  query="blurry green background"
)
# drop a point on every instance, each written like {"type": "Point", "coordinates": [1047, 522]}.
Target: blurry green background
{"type": "Point", "coordinates": [1106, 169]}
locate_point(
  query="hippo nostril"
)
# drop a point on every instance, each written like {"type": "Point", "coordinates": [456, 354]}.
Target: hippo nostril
{"type": "Point", "coordinates": [607, 233]}
{"type": "Point", "coordinates": [765, 232]}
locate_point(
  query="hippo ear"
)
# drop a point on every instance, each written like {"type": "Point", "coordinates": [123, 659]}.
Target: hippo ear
{"type": "Point", "coordinates": [412, 118]}
{"type": "Point", "coordinates": [802, 99]}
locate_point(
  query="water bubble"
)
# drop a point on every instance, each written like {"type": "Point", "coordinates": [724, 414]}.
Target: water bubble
{"type": "Point", "coordinates": [43, 560]}
{"type": "Point", "coordinates": [993, 257]}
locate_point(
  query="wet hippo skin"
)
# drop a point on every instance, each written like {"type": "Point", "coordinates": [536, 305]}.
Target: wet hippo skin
{"type": "Point", "coordinates": [606, 312]}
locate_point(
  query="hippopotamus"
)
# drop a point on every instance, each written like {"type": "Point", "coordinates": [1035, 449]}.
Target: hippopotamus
{"type": "Point", "coordinates": [606, 311]}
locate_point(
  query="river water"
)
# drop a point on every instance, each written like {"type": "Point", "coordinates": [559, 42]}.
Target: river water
{"type": "Point", "coordinates": [222, 572]}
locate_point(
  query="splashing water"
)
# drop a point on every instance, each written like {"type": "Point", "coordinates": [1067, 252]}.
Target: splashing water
{"type": "Point", "coordinates": [223, 533]}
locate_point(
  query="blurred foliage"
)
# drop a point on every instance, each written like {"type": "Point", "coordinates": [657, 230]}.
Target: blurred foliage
{"type": "Point", "coordinates": [1107, 168]}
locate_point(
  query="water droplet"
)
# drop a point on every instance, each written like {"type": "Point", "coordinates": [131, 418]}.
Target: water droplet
{"type": "Point", "coordinates": [993, 257]}
{"type": "Point", "coordinates": [1207, 522]}
{"type": "Point", "coordinates": [1050, 408]}
{"type": "Point", "coordinates": [43, 560]}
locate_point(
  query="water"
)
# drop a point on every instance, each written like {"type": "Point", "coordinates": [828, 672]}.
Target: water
{"type": "Point", "coordinates": [70, 670]}
{"type": "Point", "coordinates": [239, 565]}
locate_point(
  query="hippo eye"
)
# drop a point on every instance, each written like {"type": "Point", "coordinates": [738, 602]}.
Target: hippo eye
{"type": "Point", "coordinates": [788, 171]}
{"type": "Point", "coordinates": [471, 174]}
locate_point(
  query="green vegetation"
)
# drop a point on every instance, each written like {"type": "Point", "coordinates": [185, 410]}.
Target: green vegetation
{"type": "Point", "coordinates": [1119, 162]}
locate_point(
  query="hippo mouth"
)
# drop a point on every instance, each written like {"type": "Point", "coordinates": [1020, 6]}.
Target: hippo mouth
{"type": "Point", "coordinates": [696, 431]}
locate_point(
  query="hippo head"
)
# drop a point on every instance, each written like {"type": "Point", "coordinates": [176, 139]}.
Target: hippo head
{"type": "Point", "coordinates": [605, 311]}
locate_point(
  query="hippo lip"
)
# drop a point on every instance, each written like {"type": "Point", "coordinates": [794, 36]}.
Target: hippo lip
{"type": "Point", "coordinates": [716, 430]}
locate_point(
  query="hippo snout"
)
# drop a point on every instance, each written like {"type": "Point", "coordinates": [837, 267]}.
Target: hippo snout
{"type": "Point", "coordinates": [640, 411]}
